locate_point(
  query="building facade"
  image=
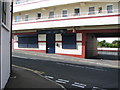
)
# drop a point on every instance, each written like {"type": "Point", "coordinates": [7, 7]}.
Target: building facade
{"type": "Point", "coordinates": [5, 31]}
{"type": "Point", "coordinates": [66, 27]}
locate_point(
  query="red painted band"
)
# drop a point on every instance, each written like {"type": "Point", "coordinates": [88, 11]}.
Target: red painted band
{"type": "Point", "coordinates": [24, 33]}
{"type": "Point", "coordinates": [73, 55]}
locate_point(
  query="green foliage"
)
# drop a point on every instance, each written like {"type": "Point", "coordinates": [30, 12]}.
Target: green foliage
{"type": "Point", "coordinates": [114, 44]}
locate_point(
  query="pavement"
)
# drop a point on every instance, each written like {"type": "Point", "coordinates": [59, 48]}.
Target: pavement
{"type": "Point", "coordinates": [69, 59]}
{"type": "Point", "coordinates": [23, 78]}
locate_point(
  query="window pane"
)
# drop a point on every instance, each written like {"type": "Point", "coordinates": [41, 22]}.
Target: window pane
{"type": "Point", "coordinates": [26, 17]}
{"type": "Point", "coordinates": [64, 13]}
{"type": "Point", "coordinates": [76, 11]}
{"type": "Point", "coordinates": [38, 15]}
{"type": "Point", "coordinates": [17, 18]}
{"type": "Point", "coordinates": [69, 41]}
{"type": "Point", "coordinates": [17, 1]}
{"type": "Point", "coordinates": [110, 8]}
{"type": "Point", "coordinates": [91, 10]}
{"type": "Point", "coordinates": [27, 41]}
{"type": "Point", "coordinates": [51, 14]}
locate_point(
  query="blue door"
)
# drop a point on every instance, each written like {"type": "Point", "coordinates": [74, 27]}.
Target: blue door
{"type": "Point", "coordinates": [50, 43]}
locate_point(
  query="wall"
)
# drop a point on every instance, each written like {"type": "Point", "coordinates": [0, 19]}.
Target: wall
{"type": "Point", "coordinates": [42, 44]}
{"type": "Point", "coordinates": [42, 41]}
{"type": "Point", "coordinates": [48, 3]}
{"type": "Point", "coordinates": [5, 55]}
{"type": "Point", "coordinates": [58, 9]}
{"type": "Point", "coordinates": [91, 45]}
{"type": "Point", "coordinates": [77, 51]}
{"type": "Point", "coordinates": [5, 47]}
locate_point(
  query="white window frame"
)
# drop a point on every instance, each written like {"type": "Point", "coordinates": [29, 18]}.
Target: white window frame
{"type": "Point", "coordinates": [79, 11]}
{"type": "Point", "coordinates": [17, 20]}
{"type": "Point", "coordinates": [66, 14]}
{"type": "Point", "coordinates": [53, 15]}
{"type": "Point", "coordinates": [112, 8]}
{"type": "Point", "coordinates": [25, 18]}
{"type": "Point", "coordinates": [102, 9]}
{"type": "Point", "coordinates": [37, 15]}
{"type": "Point", "coordinates": [89, 11]}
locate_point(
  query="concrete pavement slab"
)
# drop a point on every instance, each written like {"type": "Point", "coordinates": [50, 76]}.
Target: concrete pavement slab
{"type": "Point", "coordinates": [22, 78]}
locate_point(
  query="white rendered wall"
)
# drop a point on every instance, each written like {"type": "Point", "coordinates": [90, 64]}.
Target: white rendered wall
{"type": "Point", "coordinates": [42, 41]}
{"type": "Point", "coordinates": [5, 56]}
{"type": "Point", "coordinates": [15, 42]}
{"type": "Point", "coordinates": [66, 23]}
{"type": "Point", "coordinates": [61, 22]}
{"type": "Point", "coordinates": [84, 10]}
{"type": "Point", "coordinates": [77, 51]}
{"type": "Point", "coordinates": [35, 4]}
{"type": "Point", "coordinates": [5, 47]}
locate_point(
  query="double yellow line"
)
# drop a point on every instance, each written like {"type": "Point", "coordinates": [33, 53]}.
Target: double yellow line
{"type": "Point", "coordinates": [35, 71]}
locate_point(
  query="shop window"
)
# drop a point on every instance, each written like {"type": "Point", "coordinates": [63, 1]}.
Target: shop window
{"type": "Point", "coordinates": [91, 10]}
{"type": "Point", "coordinates": [69, 41]}
{"type": "Point", "coordinates": [110, 9]}
{"type": "Point", "coordinates": [64, 13]}
{"type": "Point", "coordinates": [51, 14]}
{"type": "Point", "coordinates": [76, 11]}
{"type": "Point", "coordinates": [27, 41]}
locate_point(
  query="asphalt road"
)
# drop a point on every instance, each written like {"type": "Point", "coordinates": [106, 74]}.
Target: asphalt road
{"type": "Point", "coordinates": [71, 75]}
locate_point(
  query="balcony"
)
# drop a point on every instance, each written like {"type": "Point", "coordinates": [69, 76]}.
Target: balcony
{"type": "Point", "coordinates": [25, 5]}
{"type": "Point", "coordinates": [103, 17]}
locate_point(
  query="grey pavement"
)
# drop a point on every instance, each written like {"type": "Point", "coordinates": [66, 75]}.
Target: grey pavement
{"type": "Point", "coordinates": [27, 79]}
{"type": "Point", "coordinates": [68, 59]}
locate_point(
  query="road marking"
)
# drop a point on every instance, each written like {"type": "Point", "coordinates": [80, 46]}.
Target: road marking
{"type": "Point", "coordinates": [82, 67]}
{"type": "Point", "coordinates": [62, 81]}
{"type": "Point", "coordinates": [39, 72]}
{"type": "Point", "coordinates": [79, 85]}
{"type": "Point", "coordinates": [94, 88]}
{"type": "Point", "coordinates": [50, 77]}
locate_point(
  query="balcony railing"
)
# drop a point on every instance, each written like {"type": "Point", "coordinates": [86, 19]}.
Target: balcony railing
{"type": "Point", "coordinates": [71, 15]}
{"type": "Point", "coordinates": [22, 1]}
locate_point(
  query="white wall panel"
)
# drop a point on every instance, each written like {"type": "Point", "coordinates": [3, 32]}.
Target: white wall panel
{"type": "Point", "coordinates": [42, 44]}
{"type": "Point", "coordinates": [66, 23]}
{"type": "Point", "coordinates": [59, 49]}
{"type": "Point", "coordinates": [5, 56]}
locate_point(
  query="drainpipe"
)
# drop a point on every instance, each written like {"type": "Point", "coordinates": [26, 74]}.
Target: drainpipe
{"type": "Point", "coordinates": [11, 39]}
{"type": "Point", "coordinates": [0, 43]}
